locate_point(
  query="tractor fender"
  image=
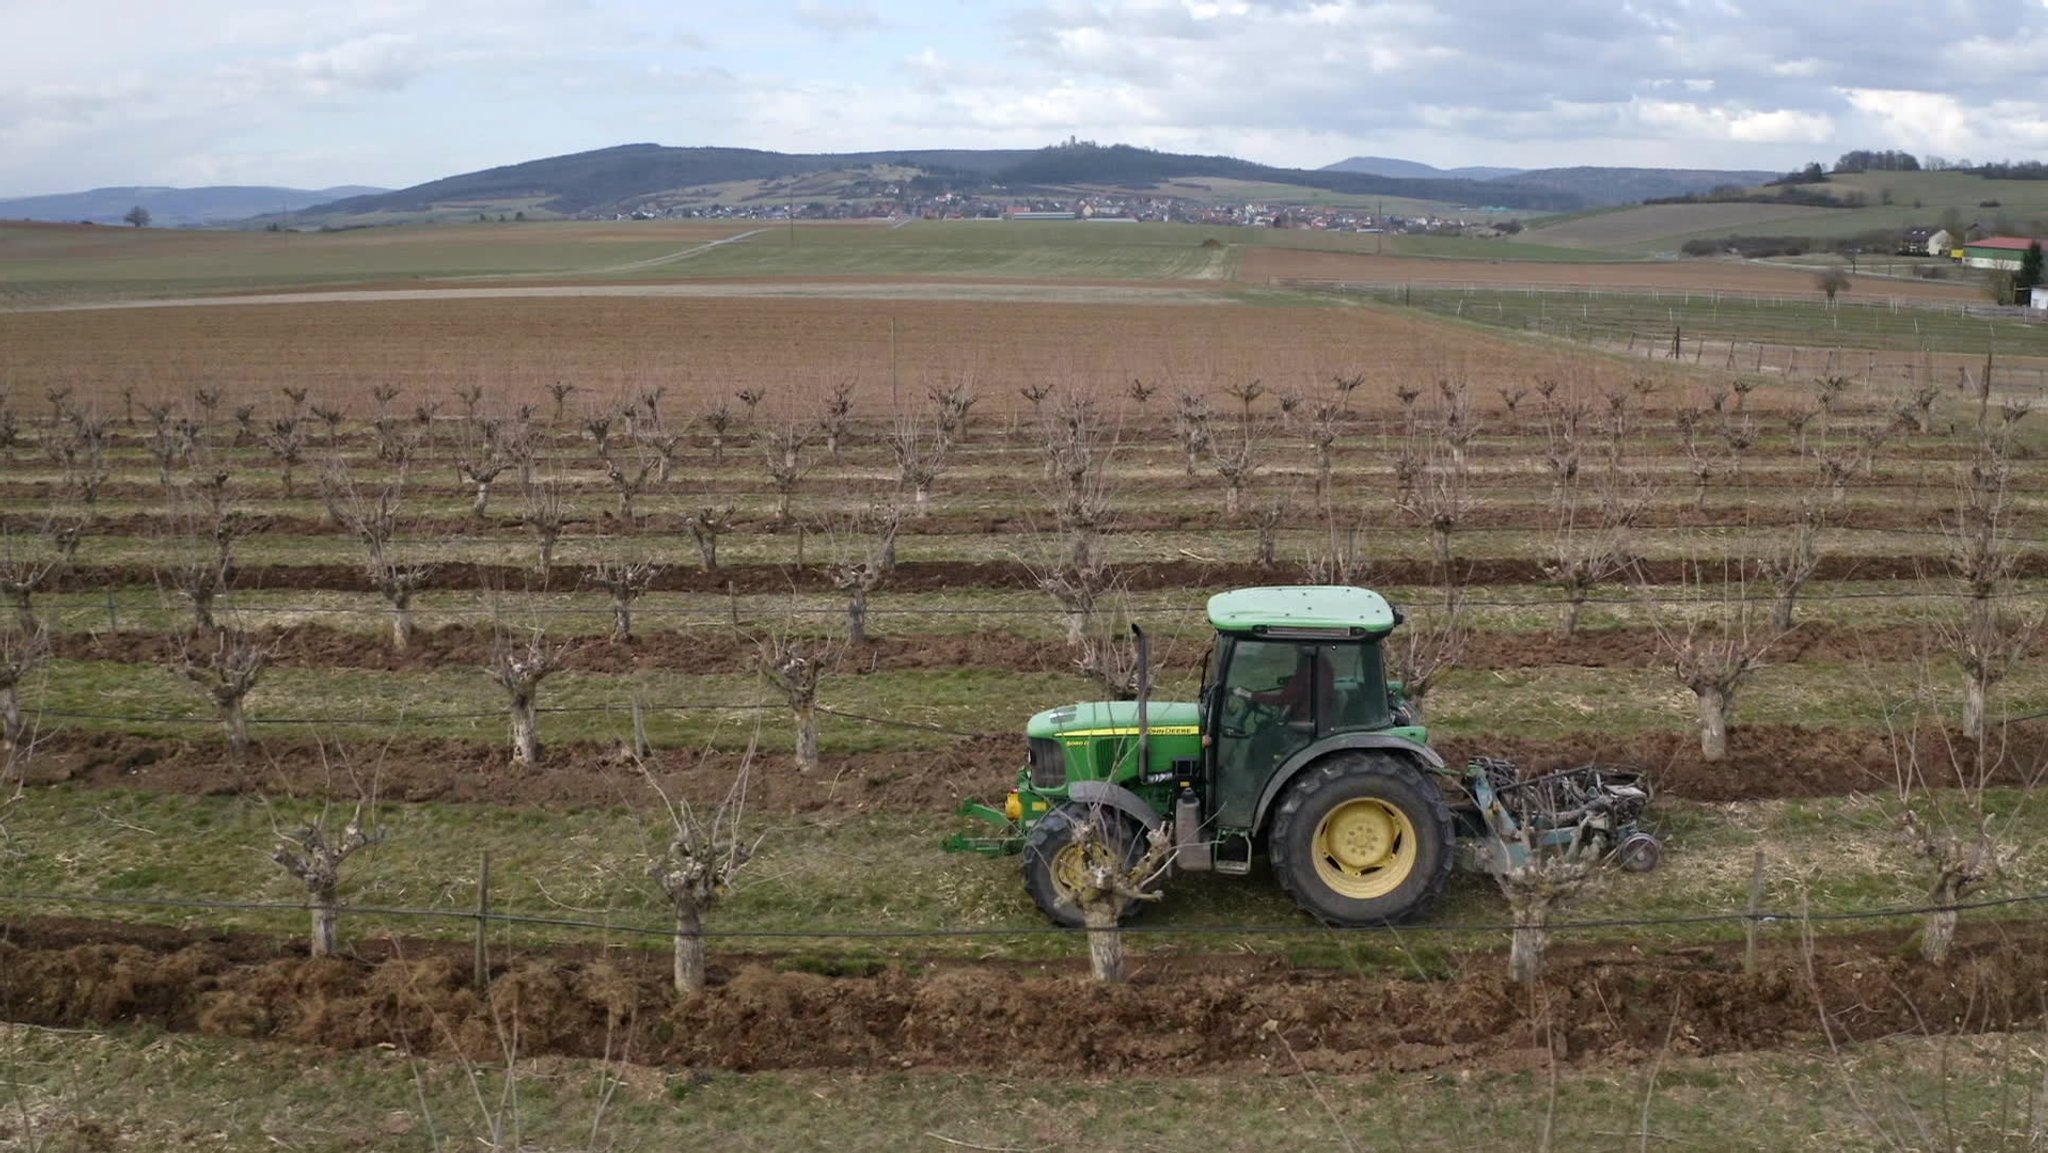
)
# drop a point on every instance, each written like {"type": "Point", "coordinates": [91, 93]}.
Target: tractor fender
{"type": "Point", "coordinates": [1115, 797]}
{"type": "Point", "coordinates": [1292, 767]}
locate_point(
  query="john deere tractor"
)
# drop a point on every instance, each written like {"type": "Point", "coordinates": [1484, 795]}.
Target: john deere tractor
{"type": "Point", "coordinates": [1302, 750]}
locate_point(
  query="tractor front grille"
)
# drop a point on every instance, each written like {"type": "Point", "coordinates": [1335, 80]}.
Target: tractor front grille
{"type": "Point", "coordinates": [1048, 763]}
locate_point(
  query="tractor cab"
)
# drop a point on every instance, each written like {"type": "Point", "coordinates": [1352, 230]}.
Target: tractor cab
{"type": "Point", "coordinates": [1292, 669]}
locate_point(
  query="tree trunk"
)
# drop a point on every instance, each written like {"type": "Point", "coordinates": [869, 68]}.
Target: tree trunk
{"type": "Point", "coordinates": [326, 940]}
{"type": "Point", "coordinates": [1575, 603]}
{"type": "Point", "coordinates": [806, 737]}
{"type": "Point", "coordinates": [1976, 697]}
{"type": "Point", "coordinates": [238, 729]}
{"type": "Point", "coordinates": [1233, 499]}
{"type": "Point", "coordinates": [1716, 703]}
{"type": "Point", "coordinates": [401, 623]}
{"type": "Point", "coordinates": [689, 950]}
{"type": "Point", "coordinates": [1939, 931]}
{"type": "Point", "coordinates": [285, 472]}
{"type": "Point", "coordinates": [1525, 950]}
{"type": "Point", "coordinates": [921, 497]}
{"type": "Point", "coordinates": [1105, 942]}
{"type": "Point", "coordinates": [483, 497]}
{"type": "Point", "coordinates": [707, 550]}
{"type": "Point", "coordinates": [857, 616]}
{"type": "Point", "coordinates": [10, 716]}
{"type": "Point", "coordinates": [525, 733]}
{"type": "Point", "coordinates": [1781, 611]}
{"type": "Point", "coordinates": [622, 618]}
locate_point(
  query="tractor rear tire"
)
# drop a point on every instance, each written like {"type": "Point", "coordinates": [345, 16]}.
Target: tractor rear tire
{"type": "Point", "coordinates": [1362, 839]}
{"type": "Point", "coordinates": [1050, 850]}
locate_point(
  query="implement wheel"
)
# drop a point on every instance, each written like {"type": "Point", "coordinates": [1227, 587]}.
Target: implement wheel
{"type": "Point", "coordinates": [1055, 864]}
{"type": "Point", "coordinates": [1362, 839]}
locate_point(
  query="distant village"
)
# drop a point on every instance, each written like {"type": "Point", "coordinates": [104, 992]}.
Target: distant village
{"type": "Point", "coordinates": [894, 204]}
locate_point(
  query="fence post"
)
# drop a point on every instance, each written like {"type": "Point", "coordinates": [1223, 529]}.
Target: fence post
{"type": "Point", "coordinates": [1749, 923]}
{"type": "Point", "coordinates": [481, 961]}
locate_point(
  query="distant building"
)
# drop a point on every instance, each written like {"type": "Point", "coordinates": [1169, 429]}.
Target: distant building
{"type": "Point", "coordinates": [1939, 242]}
{"type": "Point", "coordinates": [1997, 252]}
{"type": "Point", "coordinates": [2038, 298]}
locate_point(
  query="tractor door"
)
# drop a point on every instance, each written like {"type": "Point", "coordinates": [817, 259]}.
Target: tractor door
{"type": "Point", "coordinates": [1267, 705]}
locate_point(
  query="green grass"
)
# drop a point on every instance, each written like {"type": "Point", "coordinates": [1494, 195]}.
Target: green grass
{"type": "Point", "coordinates": [973, 248]}
{"type": "Point", "coordinates": [79, 1090]}
{"type": "Point", "coordinates": [1502, 249]}
{"type": "Point", "coordinates": [1610, 317]}
{"type": "Point", "coordinates": [883, 871]}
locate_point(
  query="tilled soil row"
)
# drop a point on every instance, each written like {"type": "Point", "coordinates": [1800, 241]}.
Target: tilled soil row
{"type": "Point", "coordinates": [1188, 576]}
{"type": "Point", "coordinates": [1764, 762]}
{"type": "Point", "coordinates": [1594, 1007]}
{"type": "Point", "coordinates": [315, 646]}
{"type": "Point", "coordinates": [1204, 514]}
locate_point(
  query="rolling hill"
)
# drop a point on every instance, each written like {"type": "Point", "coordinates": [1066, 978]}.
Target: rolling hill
{"type": "Point", "coordinates": [173, 207]}
{"type": "Point", "coordinates": [622, 178]}
{"type": "Point", "coordinates": [1416, 170]}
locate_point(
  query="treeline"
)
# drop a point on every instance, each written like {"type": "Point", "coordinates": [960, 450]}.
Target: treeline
{"type": "Point", "coordinates": [1758, 247]}
{"type": "Point", "coordinates": [1785, 194]}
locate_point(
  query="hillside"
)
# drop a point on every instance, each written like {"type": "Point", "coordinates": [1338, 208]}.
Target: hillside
{"type": "Point", "coordinates": [173, 207]}
{"type": "Point", "coordinates": [1610, 186]}
{"type": "Point", "coordinates": [1415, 170]}
{"type": "Point", "coordinates": [622, 178]}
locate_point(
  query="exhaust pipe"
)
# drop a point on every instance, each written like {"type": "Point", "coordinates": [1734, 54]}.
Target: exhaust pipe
{"type": "Point", "coordinates": [1144, 701]}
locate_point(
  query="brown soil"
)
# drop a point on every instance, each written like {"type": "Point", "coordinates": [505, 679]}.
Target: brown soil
{"type": "Point", "coordinates": [1765, 761]}
{"type": "Point", "coordinates": [1596, 1006]}
{"type": "Point", "coordinates": [1185, 576]}
{"type": "Point", "coordinates": [314, 646]}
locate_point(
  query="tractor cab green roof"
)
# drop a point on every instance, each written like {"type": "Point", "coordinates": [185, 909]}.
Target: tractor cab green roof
{"type": "Point", "coordinates": [1303, 610]}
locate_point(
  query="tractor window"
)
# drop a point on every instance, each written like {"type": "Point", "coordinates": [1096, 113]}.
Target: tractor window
{"type": "Point", "coordinates": [1357, 697]}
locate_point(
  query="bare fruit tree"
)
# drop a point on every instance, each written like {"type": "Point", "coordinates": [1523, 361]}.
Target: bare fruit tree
{"type": "Point", "coordinates": [22, 653]}
{"type": "Point", "coordinates": [1109, 881]}
{"type": "Point", "coordinates": [1236, 465]}
{"type": "Point", "coordinates": [375, 523]}
{"type": "Point", "coordinates": [920, 454]}
{"type": "Point", "coordinates": [785, 466]}
{"type": "Point", "coordinates": [314, 853]}
{"type": "Point", "coordinates": [625, 581]}
{"type": "Point", "coordinates": [226, 667]}
{"type": "Point", "coordinates": [696, 868]}
{"type": "Point", "coordinates": [1983, 557]}
{"type": "Point", "coordinates": [1536, 887]}
{"type": "Point", "coordinates": [543, 518]}
{"type": "Point", "coordinates": [1949, 818]}
{"type": "Point", "coordinates": [865, 554]}
{"type": "Point", "coordinates": [1431, 644]}
{"type": "Point", "coordinates": [1791, 562]}
{"type": "Point", "coordinates": [1714, 647]}
{"type": "Point", "coordinates": [793, 666]}
{"type": "Point", "coordinates": [705, 526]}
{"type": "Point", "coordinates": [519, 668]}
{"type": "Point", "coordinates": [1193, 423]}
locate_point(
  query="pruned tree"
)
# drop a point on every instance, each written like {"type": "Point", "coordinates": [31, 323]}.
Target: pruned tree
{"type": "Point", "coordinates": [1109, 878]}
{"type": "Point", "coordinates": [22, 654]}
{"type": "Point", "coordinates": [1536, 887]}
{"type": "Point", "coordinates": [1267, 519]}
{"type": "Point", "coordinates": [560, 392]}
{"type": "Point", "coordinates": [1141, 392]}
{"type": "Point", "coordinates": [519, 667]}
{"type": "Point", "coordinates": [1245, 394]}
{"type": "Point", "coordinates": [1714, 648]}
{"type": "Point", "coordinates": [793, 666]}
{"type": "Point", "coordinates": [1579, 561]}
{"type": "Point", "coordinates": [1439, 503]}
{"type": "Point", "coordinates": [543, 517]}
{"type": "Point", "coordinates": [705, 526]}
{"type": "Point", "coordinates": [719, 421]}
{"type": "Point", "coordinates": [599, 426]}
{"type": "Point", "coordinates": [1983, 555]}
{"type": "Point", "coordinates": [375, 523]}
{"type": "Point", "coordinates": [1192, 425]}
{"type": "Point", "coordinates": [331, 419]}
{"type": "Point", "coordinates": [287, 445]}
{"type": "Point", "coordinates": [628, 479]}
{"type": "Point", "coordinates": [785, 467]}
{"type": "Point", "coordinates": [1791, 560]}
{"type": "Point", "coordinates": [668, 449]}
{"type": "Point", "coordinates": [752, 398]}
{"type": "Point", "coordinates": [920, 454]}
{"type": "Point", "coordinates": [226, 667]}
{"type": "Point", "coordinates": [953, 402]}
{"type": "Point", "coordinates": [1340, 558]}
{"type": "Point", "coordinates": [1431, 644]}
{"type": "Point", "coordinates": [1236, 465]}
{"type": "Point", "coordinates": [27, 567]}
{"type": "Point", "coordinates": [314, 852]}
{"type": "Point", "coordinates": [626, 581]}
{"type": "Point", "coordinates": [696, 867]}
{"type": "Point", "coordinates": [1321, 431]}
{"type": "Point", "coordinates": [838, 418]}
{"type": "Point", "coordinates": [865, 554]}
{"type": "Point", "coordinates": [480, 465]}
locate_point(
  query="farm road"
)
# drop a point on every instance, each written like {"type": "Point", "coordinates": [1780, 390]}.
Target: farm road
{"type": "Point", "coordinates": [1022, 292]}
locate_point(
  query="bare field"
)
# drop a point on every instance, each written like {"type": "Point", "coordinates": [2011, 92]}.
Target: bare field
{"type": "Point", "coordinates": [1647, 223]}
{"type": "Point", "coordinates": [706, 348]}
{"type": "Point", "coordinates": [1273, 265]}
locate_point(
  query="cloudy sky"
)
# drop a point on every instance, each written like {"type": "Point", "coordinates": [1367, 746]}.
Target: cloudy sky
{"type": "Point", "coordinates": [395, 92]}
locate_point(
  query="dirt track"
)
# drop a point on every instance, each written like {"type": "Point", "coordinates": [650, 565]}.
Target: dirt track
{"type": "Point", "coordinates": [1179, 1015]}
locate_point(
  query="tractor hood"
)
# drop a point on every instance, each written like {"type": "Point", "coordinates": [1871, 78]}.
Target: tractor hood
{"type": "Point", "coordinates": [1115, 718]}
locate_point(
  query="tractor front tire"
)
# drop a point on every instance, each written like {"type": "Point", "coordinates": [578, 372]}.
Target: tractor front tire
{"type": "Point", "coordinates": [1362, 839]}
{"type": "Point", "coordinates": [1051, 854]}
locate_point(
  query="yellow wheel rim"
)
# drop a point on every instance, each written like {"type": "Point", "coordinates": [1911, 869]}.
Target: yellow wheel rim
{"type": "Point", "coordinates": [1071, 863]}
{"type": "Point", "coordinates": [1365, 848]}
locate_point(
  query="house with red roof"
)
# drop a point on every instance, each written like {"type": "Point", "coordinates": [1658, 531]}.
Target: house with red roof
{"type": "Point", "coordinates": [1999, 252]}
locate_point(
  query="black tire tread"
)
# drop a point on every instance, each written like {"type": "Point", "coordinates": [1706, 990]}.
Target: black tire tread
{"type": "Point", "coordinates": [1331, 772]}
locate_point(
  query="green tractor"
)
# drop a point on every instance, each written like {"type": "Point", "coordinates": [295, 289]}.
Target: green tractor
{"type": "Point", "coordinates": [1301, 748]}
